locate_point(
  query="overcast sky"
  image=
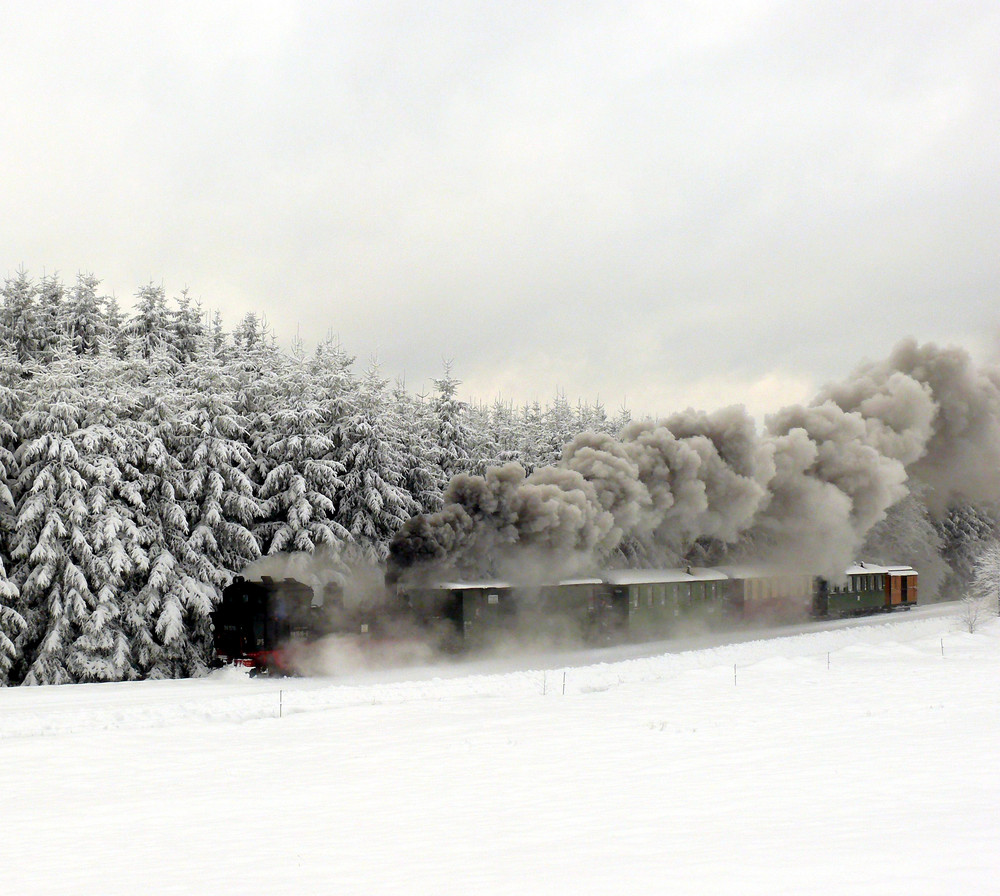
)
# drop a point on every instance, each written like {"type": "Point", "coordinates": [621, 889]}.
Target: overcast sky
{"type": "Point", "coordinates": [662, 204]}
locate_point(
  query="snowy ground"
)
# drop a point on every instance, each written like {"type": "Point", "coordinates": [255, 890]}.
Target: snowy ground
{"type": "Point", "coordinates": [856, 760]}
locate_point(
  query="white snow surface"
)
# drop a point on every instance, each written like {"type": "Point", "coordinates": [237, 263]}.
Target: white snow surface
{"type": "Point", "coordinates": [857, 759]}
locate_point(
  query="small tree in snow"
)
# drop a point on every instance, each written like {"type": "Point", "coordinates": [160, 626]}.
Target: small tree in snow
{"type": "Point", "coordinates": [973, 613]}
{"type": "Point", "coordinates": [984, 594]}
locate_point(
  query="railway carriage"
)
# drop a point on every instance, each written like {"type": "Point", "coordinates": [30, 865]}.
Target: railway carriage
{"type": "Point", "coordinates": [482, 611]}
{"type": "Point", "coordinates": [760, 593]}
{"type": "Point", "coordinates": [462, 611]}
{"type": "Point", "coordinates": [656, 602]}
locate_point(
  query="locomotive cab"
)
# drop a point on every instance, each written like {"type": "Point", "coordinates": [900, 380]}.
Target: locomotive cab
{"type": "Point", "coordinates": [256, 621]}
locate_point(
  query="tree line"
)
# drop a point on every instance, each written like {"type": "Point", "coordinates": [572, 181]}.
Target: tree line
{"type": "Point", "coordinates": [146, 458]}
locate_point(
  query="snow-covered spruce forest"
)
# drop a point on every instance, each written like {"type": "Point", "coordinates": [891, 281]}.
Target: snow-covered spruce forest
{"type": "Point", "coordinates": [145, 458]}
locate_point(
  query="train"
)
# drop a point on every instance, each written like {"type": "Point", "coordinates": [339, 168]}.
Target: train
{"type": "Point", "coordinates": [279, 626]}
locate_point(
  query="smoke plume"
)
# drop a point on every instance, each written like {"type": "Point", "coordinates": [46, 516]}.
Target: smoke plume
{"type": "Point", "coordinates": [803, 492]}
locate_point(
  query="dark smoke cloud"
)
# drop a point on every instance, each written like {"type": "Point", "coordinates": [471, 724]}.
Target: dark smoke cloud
{"type": "Point", "coordinates": [803, 492]}
{"type": "Point", "coordinates": [936, 411]}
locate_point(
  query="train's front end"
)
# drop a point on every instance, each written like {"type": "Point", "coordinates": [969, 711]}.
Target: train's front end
{"type": "Point", "coordinates": [239, 626]}
{"type": "Point", "coordinates": [257, 624]}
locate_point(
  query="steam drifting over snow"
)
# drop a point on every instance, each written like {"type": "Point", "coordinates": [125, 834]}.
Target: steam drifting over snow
{"type": "Point", "coordinates": [803, 492]}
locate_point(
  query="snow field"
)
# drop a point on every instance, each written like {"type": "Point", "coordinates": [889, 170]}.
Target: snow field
{"type": "Point", "coordinates": [653, 774]}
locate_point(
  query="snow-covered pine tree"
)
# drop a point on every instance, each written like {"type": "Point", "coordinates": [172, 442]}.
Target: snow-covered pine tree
{"type": "Point", "coordinates": [217, 335]}
{"type": "Point", "coordinates": [412, 427]}
{"type": "Point", "coordinates": [188, 328]}
{"type": "Point", "coordinates": [330, 369]}
{"type": "Point", "coordinates": [558, 427]}
{"type": "Point", "coordinates": [531, 446]}
{"type": "Point", "coordinates": [302, 480]}
{"type": "Point", "coordinates": [12, 624]}
{"type": "Point", "coordinates": [373, 504]}
{"type": "Point", "coordinates": [115, 322]}
{"type": "Point", "coordinates": [168, 618]}
{"type": "Point", "coordinates": [84, 320]}
{"type": "Point", "coordinates": [482, 447]}
{"type": "Point", "coordinates": [116, 560]}
{"type": "Point", "coordinates": [219, 498]}
{"type": "Point", "coordinates": [451, 434]}
{"type": "Point", "coordinates": [51, 338]}
{"type": "Point", "coordinates": [592, 417]}
{"type": "Point", "coordinates": [256, 367]}
{"type": "Point", "coordinates": [251, 334]}
{"type": "Point", "coordinates": [51, 548]}
{"type": "Point", "coordinates": [506, 432]}
{"type": "Point", "coordinates": [150, 327]}
{"type": "Point", "coordinates": [621, 419]}
{"type": "Point", "coordinates": [19, 316]}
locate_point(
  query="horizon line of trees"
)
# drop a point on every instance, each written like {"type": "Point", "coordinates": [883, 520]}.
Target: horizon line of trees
{"type": "Point", "coordinates": [146, 458]}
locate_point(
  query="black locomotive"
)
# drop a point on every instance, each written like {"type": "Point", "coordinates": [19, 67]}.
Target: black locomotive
{"type": "Point", "coordinates": [270, 625]}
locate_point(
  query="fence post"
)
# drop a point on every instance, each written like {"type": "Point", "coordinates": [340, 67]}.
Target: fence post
{"type": "Point", "coordinates": [564, 684]}
{"type": "Point", "coordinates": [280, 699]}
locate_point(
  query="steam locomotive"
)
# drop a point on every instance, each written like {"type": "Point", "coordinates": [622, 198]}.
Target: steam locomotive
{"type": "Point", "coordinates": [275, 626]}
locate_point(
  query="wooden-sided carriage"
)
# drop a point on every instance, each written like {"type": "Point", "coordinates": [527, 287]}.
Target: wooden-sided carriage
{"type": "Point", "coordinates": [866, 588]}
